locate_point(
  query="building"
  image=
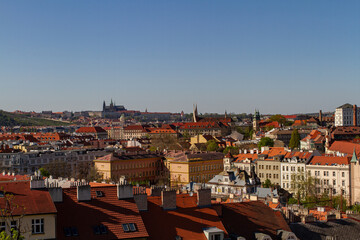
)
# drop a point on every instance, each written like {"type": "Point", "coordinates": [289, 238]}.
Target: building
{"type": "Point", "coordinates": [314, 141]}
{"type": "Point", "coordinates": [136, 167]}
{"type": "Point", "coordinates": [185, 167]}
{"type": "Point", "coordinates": [332, 175]}
{"type": "Point", "coordinates": [31, 209]}
{"type": "Point", "coordinates": [104, 212]}
{"type": "Point", "coordinates": [293, 165]}
{"type": "Point", "coordinates": [135, 131]}
{"type": "Point", "coordinates": [347, 115]}
{"type": "Point", "coordinates": [96, 132]}
{"type": "Point", "coordinates": [113, 110]}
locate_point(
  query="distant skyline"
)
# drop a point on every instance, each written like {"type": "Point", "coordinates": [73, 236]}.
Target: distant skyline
{"type": "Point", "coordinates": [277, 56]}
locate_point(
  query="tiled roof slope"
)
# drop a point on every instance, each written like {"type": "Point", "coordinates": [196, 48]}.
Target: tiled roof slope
{"type": "Point", "coordinates": [187, 221]}
{"type": "Point", "coordinates": [246, 218]}
{"type": "Point", "coordinates": [343, 229]}
{"type": "Point", "coordinates": [329, 160]}
{"type": "Point", "coordinates": [107, 210]}
{"type": "Point", "coordinates": [345, 147]}
{"type": "Point", "coordinates": [90, 130]}
{"type": "Point", "coordinates": [30, 201]}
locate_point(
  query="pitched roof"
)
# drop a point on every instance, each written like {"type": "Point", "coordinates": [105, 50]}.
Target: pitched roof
{"type": "Point", "coordinates": [91, 130]}
{"type": "Point", "coordinates": [242, 156]}
{"type": "Point", "coordinates": [297, 154]}
{"type": "Point", "coordinates": [31, 201]}
{"type": "Point", "coordinates": [107, 210]}
{"type": "Point", "coordinates": [187, 221]}
{"type": "Point", "coordinates": [345, 147]}
{"type": "Point", "coordinates": [329, 160]}
{"type": "Point", "coordinates": [274, 151]}
{"type": "Point", "coordinates": [246, 218]}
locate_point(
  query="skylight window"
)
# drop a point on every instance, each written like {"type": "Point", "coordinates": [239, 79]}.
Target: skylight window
{"type": "Point", "coordinates": [125, 227]}
{"type": "Point", "coordinates": [103, 229]}
{"type": "Point", "coordinates": [99, 194]}
{"type": "Point", "coordinates": [74, 231]}
{"type": "Point", "coordinates": [96, 230]}
{"type": "Point", "coordinates": [67, 232]}
{"type": "Point", "coordinates": [132, 227]}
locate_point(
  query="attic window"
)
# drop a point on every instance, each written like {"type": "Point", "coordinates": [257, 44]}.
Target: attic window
{"type": "Point", "coordinates": [71, 231]}
{"type": "Point", "coordinates": [103, 229]}
{"type": "Point", "coordinates": [99, 194]}
{"type": "Point", "coordinates": [129, 227]}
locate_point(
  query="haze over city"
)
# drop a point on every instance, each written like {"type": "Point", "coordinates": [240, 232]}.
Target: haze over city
{"type": "Point", "coordinates": [276, 56]}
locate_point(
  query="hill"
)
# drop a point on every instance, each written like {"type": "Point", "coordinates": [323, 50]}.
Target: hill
{"type": "Point", "coordinates": [12, 119]}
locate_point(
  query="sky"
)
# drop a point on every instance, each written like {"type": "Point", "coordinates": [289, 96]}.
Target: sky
{"type": "Point", "coordinates": [276, 56]}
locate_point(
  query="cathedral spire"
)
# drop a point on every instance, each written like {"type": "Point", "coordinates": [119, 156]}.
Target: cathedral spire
{"type": "Point", "coordinates": [195, 113]}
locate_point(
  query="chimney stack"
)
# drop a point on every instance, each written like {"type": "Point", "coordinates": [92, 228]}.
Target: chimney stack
{"type": "Point", "coordinates": [320, 117]}
{"type": "Point", "coordinates": [168, 199]}
{"type": "Point", "coordinates": [124, 191]}
{"type": "Point", "coordinates": [355, 115]}
{"type": "Point", "coordinates": [83, 193]}
{"type": "Point", "coordinates": [56, 194]}
{"type": "Point", "coordinates": [140, 198]}
{"type": "Point", "coordinates": [37, 182]}
{"type": "Point", "coordinates": [204, 197]}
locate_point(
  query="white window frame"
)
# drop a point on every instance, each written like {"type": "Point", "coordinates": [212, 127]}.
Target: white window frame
{"type": "Point", "coordinates": [37, 226]}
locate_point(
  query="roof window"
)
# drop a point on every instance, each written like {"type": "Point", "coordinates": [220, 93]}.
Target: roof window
{"type": "Point", "coordinates": [129, 227]}
{"type": "Point", "coordinates": [71, 231]}
{"type": "Point", "coordinates": [99, 194]}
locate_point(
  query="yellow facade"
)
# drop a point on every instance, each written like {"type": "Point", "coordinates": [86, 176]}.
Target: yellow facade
{"type": "Point", "coordinates": [25, 224]}
{"type": "Point", "coordinates": [194, 170]}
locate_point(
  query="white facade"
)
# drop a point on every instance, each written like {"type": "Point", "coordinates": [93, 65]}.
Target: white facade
{"type": "Point", "coordinates": [331, 178]}
{"type": "Point", "coordinates": [344, 116]}
{"type": "Point", "coordinates": [291, 168]}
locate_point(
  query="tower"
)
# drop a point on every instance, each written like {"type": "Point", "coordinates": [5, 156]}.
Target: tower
{"type": "Point", "coordinates": [256, 121]}
{"type": "Point", "coordinates": [195, 113]}
{"type": "Point", "coordinates": [320, 118]}
{"type": "Point", "coordinates": [354, 179]}
{"type": "Point", "coordinates": [104, 106]}
{"type": "Point", "coordinates": [354, 115]}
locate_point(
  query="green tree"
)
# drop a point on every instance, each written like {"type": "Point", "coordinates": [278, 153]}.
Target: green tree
{"type": "Point", "coordinates": [295, 139]}
{"type": "Point", "coordinates": [44, 172]}
{"type": "Point", "coordinates": [278, 118]}
{"type": "Point", "coordinates": [267, 183]}
{"type": "Point", "coordinates": [232, 150]}
{"type": "Point", "coordinates": [292, 201]}
{"type": "Point", "coordinates": [211, 145]}
{"type": "Point", "coordinates": [265, 141]}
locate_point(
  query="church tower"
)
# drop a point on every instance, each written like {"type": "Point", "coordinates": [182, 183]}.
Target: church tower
{"type": "Point", "coordinates": [104, 106]}
{"type": "Point", "coordinates": [256, 121]}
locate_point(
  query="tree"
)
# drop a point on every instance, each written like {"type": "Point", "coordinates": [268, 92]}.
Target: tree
{"type": "Point", "coordinates": [44, 172]}
{"type": "Point", "coordinates": [7, 215]}
{"type": "Point", "coordinates": [232, 150]}
{"type": "Point", "coordinates": [93, 175]}
{"type": "Point", "coordinates": [211, 145]}
{"type": "Point", "coordinates": [265, 141]}
{"type": "Point", "coordinates": [295, 139]}
{"type": "Point", "coordinates": [303, 186]}
{"type": "Point", "coordinates": [278, 118]}
{"type": "Point", "coordinates": [267, 183]}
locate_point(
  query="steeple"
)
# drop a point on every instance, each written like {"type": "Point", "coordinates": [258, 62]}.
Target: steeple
{"type": "Point", "coordinates": [225, 114]}
{"type": "Point", "coordinates": [111, 103]}
{"type": "Point", "coordinates": [104, 105]}
{"type": "Point", "coordinates": [354, 158]}
{"type": "Point", "coordinates": [195, 113]}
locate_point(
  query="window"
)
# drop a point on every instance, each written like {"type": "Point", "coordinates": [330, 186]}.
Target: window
{"type": "Point", "coordinates": [74, 231]}
{"type": "Point", "coordinates": [13, 224]}
{"type": "Point", "coordinates": [343, 174]}
{"type": "Point", "coordinates": [103, 229]}
{"type": "Point", "coordinates": [334, 174]}
{"type": "Point", "coordinates": [343, 183]}
{"type": "Point", "coordinates": [37, 225]}
{"type": "Point", "coordinates": [334, 182]}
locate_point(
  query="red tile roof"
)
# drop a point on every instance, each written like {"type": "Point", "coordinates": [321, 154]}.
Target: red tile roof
{"type": "Point", "coordinates": [242, 156]}
{"type": "Point", "coordinates": [329, 160]}
{"type": "Point", "coordinates": [274, 151]}
{"type": "Point", "coordinates": [90, 130]}
{"type": "Point", "coordinates": [246, 218]}
{"type": "Point", "coordinates": [345, 147]}
{"type": "Point", "coordinates": [300, 155]}
{"type": "Point", "coordinates": [107, 210]}
{"type": "Point", "coordinates": [186, 221]}
{"type": "Point", "coordinates": [30, 201]}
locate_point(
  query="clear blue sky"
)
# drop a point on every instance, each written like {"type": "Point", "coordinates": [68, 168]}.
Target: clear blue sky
{"type": "Point", "coordinates": [277, 56]}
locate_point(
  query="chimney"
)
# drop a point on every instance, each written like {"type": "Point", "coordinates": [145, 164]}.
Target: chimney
{"type": "Point", "coordinates": [204, 197]}
{"type": "Point", "coordinates": [168, 199]}
{"type": "Point", "coordinates": [56, 194]}
{"type": "Point", "coordinates": [124, 191]}
{"type": "Point", "coordinates": [355, 115]}
{"type": "Point", "coordinates": [156, 191]}
{"type": "Point", "coordinates": [37, 182]}
{"type": "Point", "coordinates": [83, 193]}
{"type": "Point", "coordinates": [141, 201]}
{"type": "Point", "coordinates": [320, 117]}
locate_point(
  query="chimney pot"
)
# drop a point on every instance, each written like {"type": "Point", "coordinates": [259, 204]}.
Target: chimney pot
{"type": "Point", "coordinates": [83, 193]}
{"type": "Point", "coordinates": [168, 199]}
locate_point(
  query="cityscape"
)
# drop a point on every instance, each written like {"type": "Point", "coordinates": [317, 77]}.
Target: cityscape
{"type": "Point", "coordinates": [157, 120]}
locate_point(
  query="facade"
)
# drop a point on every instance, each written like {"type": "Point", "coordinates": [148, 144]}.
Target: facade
{"type": "Point", "coordinates": [269, 168]}
{"type": "Point", "coordinates": [347, 115]}
{"type": "Point", "coordinates": [136, 167]}
{"type": "Point", "coordinates": [27, 163]}
{"type": "Point", "coordinates": [135, 131]}
{"type": "Point", "coordinates": [293, 166]}
{"type": "Point", "coordinates": [35, 216]}
{"type": "Point", "coordinates": [314, 141]}
{"type": "Point", "coordinates": [185, 167]}
{"type": "Point", "coordinates": [332, 175]}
